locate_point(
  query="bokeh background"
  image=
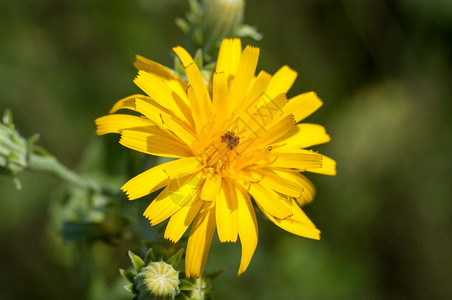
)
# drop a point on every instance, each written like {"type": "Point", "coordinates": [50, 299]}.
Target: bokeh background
{"type": "Point", "coordinates": [384, 71]}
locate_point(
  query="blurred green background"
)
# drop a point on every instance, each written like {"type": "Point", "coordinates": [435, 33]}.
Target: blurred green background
{"type": "Point", "coordinates": [384, 71]}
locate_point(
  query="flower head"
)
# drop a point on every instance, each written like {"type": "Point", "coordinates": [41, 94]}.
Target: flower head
{"type": "Point", "coordinates": [242, 139]}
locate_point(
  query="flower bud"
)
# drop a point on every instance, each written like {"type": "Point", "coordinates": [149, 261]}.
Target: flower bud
{"type": "Point", "coordinates": [158, 280]}
{"type": "Point", "coordinates": [221, 19]}
{"type": "Point", "coordinates": [154, 280]}
{"type": "Point", "coordinates": [14, 149]}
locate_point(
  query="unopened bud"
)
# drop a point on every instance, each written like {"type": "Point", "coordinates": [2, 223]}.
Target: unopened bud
{"type": "Point", "coordinates": [158, 280]}
{"type": "Point", "coordinates": [221, 19]}
{"type": "Point", "coordinates": [14, 149]}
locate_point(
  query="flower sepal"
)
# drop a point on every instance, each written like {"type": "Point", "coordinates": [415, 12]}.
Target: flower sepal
{"type": "Point", "coordinates": [198, 288]}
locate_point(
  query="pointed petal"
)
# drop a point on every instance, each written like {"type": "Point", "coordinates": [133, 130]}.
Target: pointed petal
{"type": "Point", "coordinates": [157, 114]}
{"type": "Point", "coordinates": [244, 77]}
{"type": "Point", "coordinates": [255, 124]}
{"type": "Point", "coordinates": [270, 201]}
{"type": "Point", "coordinates": [303, 105]}
{"type": "Point", "coordinates": [281, 81]}
{"type": "Point", "coordinates": [248, 230]}
{"type": "Point", "coordinates": [279, 184]}
{"type": "Point", "coordinates": [142, 63]}
{"type": "Point", "coordinates": [181, 220]}
{"type": "Point", "coordinates": [155, 141]}
{"type": "Point", "coordinates": [199, 241]}
{"type": "Point", "coordinates": [256, 96]}
{"type": "Point", "coordinates": [269, 135]}
{"type": "Point", "coordinates": [195, 80]}
{"type": "Point", "coordinates": [229, 56]}
{"type": "Point", "coordinates": [220, 93]}
{"type": "Point", "coordinates": [127, 103]}
{"type": "Point", "coordinates": [179, 193]}
{"type": "Point", "coordinates": [159, 176]}
{"type": "Point", "coordinates": [211, 188]}
{"type": "Point", "coordinates": [298, 159]}
{"type": "Point", "coordinates": [328, 167]}
{"type": "Point", "coordinates": [301, 181]}
{"type": "Point", "coordinates": [259, 117]}
{"type": "Point", "coordinates": [298, 224]}
{"type": "Point", "coordinates": [160, 92]}
{"type": "Point", "coordinates": [116, 123]}
{"type": "Point", "coordinates": [304, 135]}
{"type": "Point", "coordinates": [226, 213]}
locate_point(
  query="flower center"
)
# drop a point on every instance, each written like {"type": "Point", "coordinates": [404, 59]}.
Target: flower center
{"type": "Point", "coordinates": [230, 139]}
{"type": "Point", "coordinates": [220, 153]}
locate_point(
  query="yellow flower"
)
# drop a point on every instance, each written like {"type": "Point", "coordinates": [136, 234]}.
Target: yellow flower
{"type": "Point", "coordinates": [239, 139]}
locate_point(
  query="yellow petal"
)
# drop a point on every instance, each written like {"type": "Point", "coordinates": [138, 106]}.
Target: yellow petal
{"type": "Point", "coordinates": [160, 92]}
{"type": "Point", "coordinates": [174, 83]}
{"type": "Point", "coordinates": [181, 220]}
{"type": "Point", "coordinates": [254, 98]}
{"type": "Point", "coordinates": [308, 189]}
{"type": "Point", "coordinates": [248, 230]}
{"type": "Point", "coordinates": [270, 201]}
{"type": "Point", "coordinates": [298, 224]}
{"type": "Point", "coordinates": [226, 213]}
{"type": "Point", "coordinates": [127, 103]}
{"type": "Point", "coordinates": [159, 176]}
{"type": "Point", "coordinates": [117, 123]}
{"type": "Point", "coordinates": [281, 185]}
{"type": "Point", "coordinates": [155, 141]}
{"type": "Point", "coordinates": [281, 81]}
{"type": "Point", "coordinates": [199, 241]}
{"type": "Point", "coordinates": [229, 56]}
{"type": "Point", "coordinates": [257, 124]}
{"type": "Point", "coordinates": [157, 114]}
{"type": "Point", "coordinates": [269, 135]}
{"type": "Point", "coordinates": [200, 91]}
{"type": "Point", "coordinates": [298, 159]}
{"type": "Point", "coordinates": [303, 105]}
{"type": "Point", "coordinates": [220, 94]}
{"type": "Point", "coordinates": [304, 135]}
{"type": "Point", "coordinates": [244, 77]}
{"type": "Point", "coordinates": [257, 118]}
{"type": "Point", "coordinates": [196, 80]}
{"type": "Point", "coordinates": [142, 63]}
{"type": "Point", "coordinates": [211, 188]}
{"type": "Point", "coordinates": [179, 193]}
{"type": "Point", "coordinates": [328, 167]}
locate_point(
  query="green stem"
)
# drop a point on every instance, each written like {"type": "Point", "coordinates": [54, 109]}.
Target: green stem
{"type": "Point", "coordinates": [51, 165]}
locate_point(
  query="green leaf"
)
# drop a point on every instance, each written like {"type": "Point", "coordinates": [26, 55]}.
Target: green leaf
{"type": "Point", "coordinates": [214, 275]}
{"type": "Point", "coordinates": [198, 58]}
{"type": "Point", "coordinates": [198, 37]}
{"type": "Point", "coordinates": [178, 66]}
{"type": "Point", "coordinates": [195, 7]}
{"type": "Point", "coordinates": [8, 118]}
{"type": "Point", "coordinates": [137, 262]}
{"type": "Point", "coordinates": [248, 31]}
{"type": "Point", "coordinates": [183, 25]}
{"type": "Point", "coordinates": [130, 288]}
{"type": "Point", "coordinates": [186, 285]}
{"type": "Point", "coordinates": [17, 183]}
{"type": "Point", "coordinates": [127, 275]}
{"type": "Point", "coordinates": [182, 296]}
{"type": "Point", "coordinates": [149, 256]}
{"type": "Point", "coordinates": [175, 259]}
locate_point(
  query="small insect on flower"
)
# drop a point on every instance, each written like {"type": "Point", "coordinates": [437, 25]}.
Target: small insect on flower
{"type": "Point", "coordinates": [239, 142]}
{"type": "Point", "coordinates": [230, 139]}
